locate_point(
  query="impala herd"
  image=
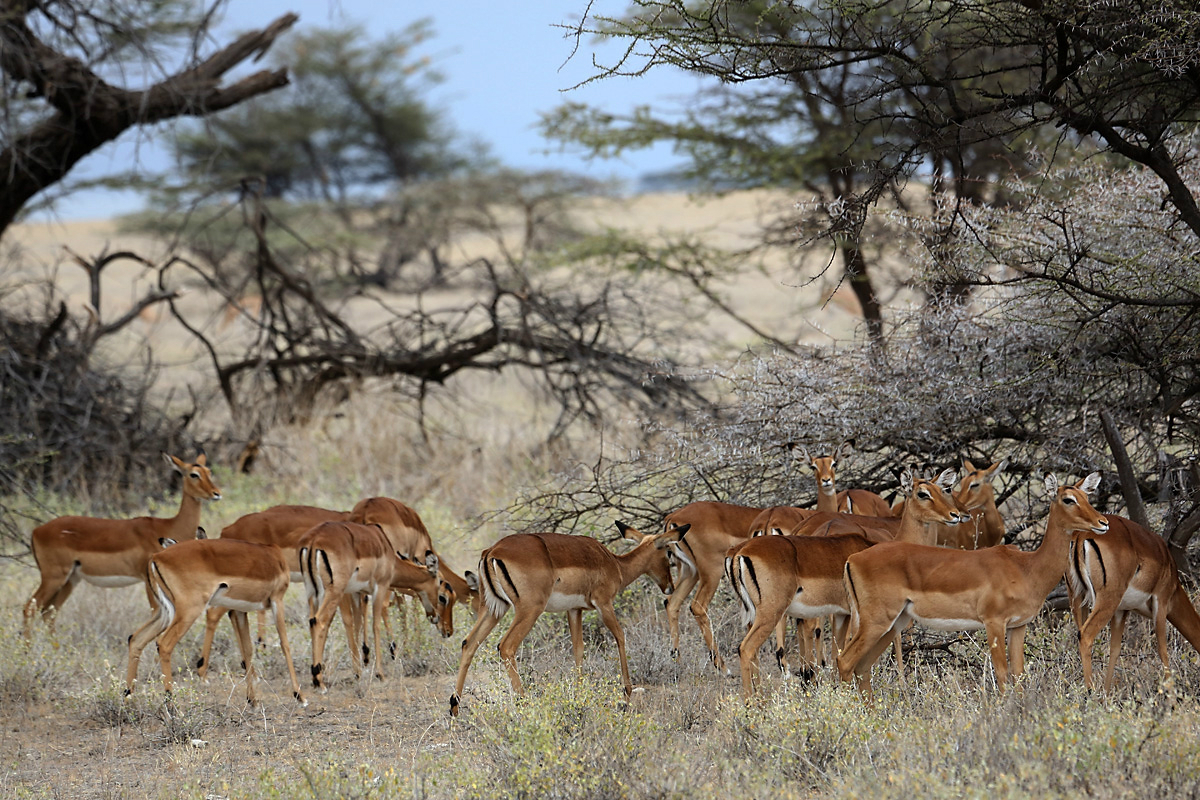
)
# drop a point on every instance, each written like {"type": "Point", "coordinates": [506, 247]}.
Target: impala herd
{"type": "Point", "coordinates": [936, 559]}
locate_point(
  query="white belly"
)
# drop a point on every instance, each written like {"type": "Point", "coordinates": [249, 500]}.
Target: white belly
{"type": "Point", "coordinates": [803, 610]}
{"type": "Point", "coordinates": [566, 602]}
{"type": "Point", "coordinates": [1135, 600]}
{"type": "Point", "coordinates": [109, 581]}
{"type": "Point", "coordinates": [357, 584]}
{"type": "Point", "coordinates": [944, 624]}
{"type": "Point", "coordinates": [236, 605]}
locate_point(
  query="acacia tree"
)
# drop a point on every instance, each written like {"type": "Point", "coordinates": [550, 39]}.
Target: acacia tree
{"type": "Point", "coordinates": [66, 70]}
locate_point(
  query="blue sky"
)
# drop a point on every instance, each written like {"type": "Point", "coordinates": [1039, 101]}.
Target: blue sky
{"type": "Point", "coordinates": [503, 63]}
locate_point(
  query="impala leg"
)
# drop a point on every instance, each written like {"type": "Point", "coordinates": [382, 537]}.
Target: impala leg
{"type": "Point", "coordinates": [1104, 611]}
{"type": "Point", "coordinates": [1160, 631]}
{"type": "Point", "coordinates": [484, 622]}
{"type": "Point", "coordinates": [898, 652]}
{"type": "Point", "coordinates": [704, 595]}
{"type": "Point", "coordinates": [1116, 634]}
{"type": "Point", "coordinates": [866, 645]}
{"type": "Point", "coordinates": [575, 623]}
{"type": "Point", "coordinates": [609, 617]}
{"type": "Point", "coordinates": [674, 605]}
{"type": "Point", "coordinates": [1016, 652]}
{"type": "Point", "coordinates": [170, 637]}
{"type": "Point", "coordinates": [241, 628]}
{"type": "Point", "coordinates": [212, 618]}
{"type": "Point", "coordinates": [281, 629]}
{"type": "Point", "coordinates": [262, 627]}
{"type": "Point", "coordinates": [49, 597]}
{"type": "Point", "coordinates": [523, 619]}
{"type": "Point", "coordinates": [996, 635]}
{"type": "Point", "coordinates": [147, 633]}
{"type": "Point", "coordinates": [767, 616]}
{"type": "Point", "coordinates": [379, 606]}
{"type": "Point", "coordinates": [780, 646]}
{"type": "Point", "coordinates": [319, 626]}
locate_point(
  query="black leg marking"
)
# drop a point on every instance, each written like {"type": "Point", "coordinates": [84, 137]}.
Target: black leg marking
{"type": "Point", "coordinates": [200, 663]}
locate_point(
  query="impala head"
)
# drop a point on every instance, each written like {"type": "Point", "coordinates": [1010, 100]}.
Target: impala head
{"type": "Point", "coordinates": [1071, 504]}
{"type": "Point", "coordinates": [436, 595]}
{"type": "Point", "coordinates": [975, 489]}
{"type": "Point", "coordinates": [659, 565]}
{"type": "Point", "coordinates": [197, 479]}
{"type": "Point", "coordinates": [930, 500]}
{"type": "Point", "coordinates": [825, 467]}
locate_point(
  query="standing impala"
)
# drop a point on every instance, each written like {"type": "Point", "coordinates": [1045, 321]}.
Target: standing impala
{"type": "Point", "coordinates": [537, 572]}
{"type": "Point", "coordinates": [801, 576]}
{"type": "Point", "coordinates": [699, 535]}
{"type": "Point", "coordinates": [217, 573]}
{"type": "Point", "coordinates": [280, 526]}
{"type": "Point", "coordinates": [1127, 569]}
{"type": "Point", "coordinates": [847, 501]}
{"type": "Point", "coordinates": [998, 589]}
{"type": "Point", "coordinates": [112, 552]}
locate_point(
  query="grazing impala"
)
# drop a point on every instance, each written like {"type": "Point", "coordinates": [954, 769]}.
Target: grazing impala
{"type": "Point", "coordinates": [409, 537]}
{"type": "Point", "coordinates": [218, 573]}
{"type": "Point", "coordinates": [537, 572]}
{"type": "Point", "coordinates": [112, 552]}
{"type": "Point", "coordinates": [801, 576]}
{"type": "Point", "coordinates": [998, 589]}
{"type": "Point", "coordinates": [847, 501]}
{"type": "Point", "coordinates": [711, 529]}
{"type": "Point", "coordinates": [340, 559]}
{"type": "Point", "coordinates": [1127, 569]}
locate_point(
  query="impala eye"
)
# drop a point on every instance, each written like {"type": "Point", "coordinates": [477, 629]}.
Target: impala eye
{"type": "Point", "coordinates": [1068, 500]}
{"type": "Point", "coordinates": [924, 495]}
{"type": "Point", "coordinates": [196, 476]}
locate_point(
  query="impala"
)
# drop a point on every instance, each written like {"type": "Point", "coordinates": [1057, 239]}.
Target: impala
{"type": "Point", "coordinates": [711, 528]}
{"type": "Point", "coordinates": [779, 520]}
{"type": "Point", "coordinates": [849, 501]}
{"type": "Point", "coordinates": [1127, 569]}
{"type": "Point", "coordinates": [112, 552]}
{"type": "Point", "coordinates": [998, 589]}
{"type": "Point", "coordinates": [977, 496]}
{"type": "Point", "coordinates": [218, 573]}
{"type": "Point", "coordinates": [340, 559]}
{"type": "Point", "coordinates": [281, 526]}
{"type": "Point", "coordinates": [404, 528]}
{"type": "Point", "coordinates": [801, 576]}
{"type": "Point", "coordinates": [537, 572]}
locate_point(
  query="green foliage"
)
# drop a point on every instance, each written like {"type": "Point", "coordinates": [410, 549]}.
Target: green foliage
{"type": "Point", "coordinates": [352, 118]}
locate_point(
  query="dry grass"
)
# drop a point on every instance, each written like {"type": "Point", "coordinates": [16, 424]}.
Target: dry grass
{"type": "Point", "coordinates": [68, 732]}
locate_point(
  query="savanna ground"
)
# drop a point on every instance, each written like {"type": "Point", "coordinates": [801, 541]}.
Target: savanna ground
{"type": "Point", "coordinates": [944, 731]}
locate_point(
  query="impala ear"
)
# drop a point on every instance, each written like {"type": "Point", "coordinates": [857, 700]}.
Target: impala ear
{"type": "Point", "coordinates": [202, 459]}
{"type": "Point", "coordinates": [201, 533]}
{"type": "Point", "coordinates": [947, 479]}
{"type": "Point", "coordinates": [173, 462]}
{"type": "Point", "coordinates": [843, 449]}
{"type": "Point", "coordinates": [996, 469]}
{"type": "Point", "coordinates": [805, 456]}
{"type": "Point", "coordinates": [472, 581]}
{"type": "Point", "coordinates": [1051, 484]}
{"type": "Point", "coordinates": [906, 482]}
{"type": "Point", "coordinates": [1090, 483]}
{"type": "Point", "coordinates": [671, 536]}
{"type": "Point", "coordinates": [431, 562]}
{"type": "Point", "coordinates": [968, 466]}
{"type": "Point", "coordinates": [628, 532]}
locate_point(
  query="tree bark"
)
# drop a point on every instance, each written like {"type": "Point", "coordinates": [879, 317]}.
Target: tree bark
{"type": "Point", "coordinates": [86, 112]}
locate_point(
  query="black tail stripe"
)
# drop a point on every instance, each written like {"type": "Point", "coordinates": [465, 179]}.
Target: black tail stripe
{"type": "Point", "coordinates": [485, 569]}
{"type": "Point", "coordinates": [1099, 558]}
{"type": "Point", "coordinates": [753, 576]}
{"type": "Point", "coordinates": [516, 595]}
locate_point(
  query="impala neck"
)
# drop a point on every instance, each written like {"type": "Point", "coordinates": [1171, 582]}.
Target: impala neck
{"type": "Point", "coordinates": [993, 523]}
{"type": "Point", "coordinates": [1048, 563]}
{"type": "Point", "coordinates": [184, 523]}
{"type": "Point", "coordinates": [827, 500]}
{"type": "Point", "coordinates": [913, 530]}
{"type": "Point", "coordinates": [636, 562]}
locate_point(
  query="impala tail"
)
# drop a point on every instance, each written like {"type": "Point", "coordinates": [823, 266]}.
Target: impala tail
{"type": "Point", "coordinates": [166, 603]}
{"type": "Point", "coordinates": [745, 586]}
{"type": "Point", "coordinates": [497, 584]}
